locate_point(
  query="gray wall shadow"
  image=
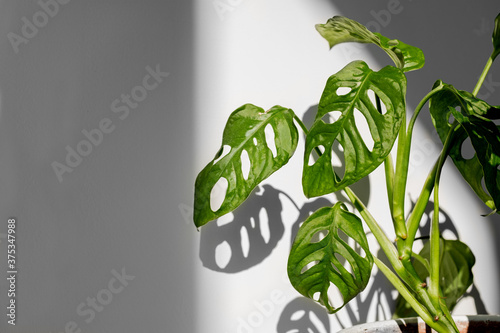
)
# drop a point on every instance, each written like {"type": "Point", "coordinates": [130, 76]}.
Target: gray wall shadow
{"type": "Point", "coordinates": [118, 209]}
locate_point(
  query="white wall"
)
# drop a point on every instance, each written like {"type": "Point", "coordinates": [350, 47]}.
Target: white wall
{"type": "Point", "coordinates": [124, 209]}
{"type": "Point", "coordinates": [268, 53]}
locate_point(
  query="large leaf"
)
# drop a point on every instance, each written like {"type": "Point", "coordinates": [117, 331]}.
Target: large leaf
{"type": "Point", "coordinates": [340, 29]}
{"type": "Point", "coordinates": [474, 116]}
{"type": "Point", "coordinates": [389, 84]}
{"type": "Point", "coordinates": [456, 265]}
{"type": "Point", "coordinates": [255, 144]}
{"type": "Point", "coordinates": [314, 265]}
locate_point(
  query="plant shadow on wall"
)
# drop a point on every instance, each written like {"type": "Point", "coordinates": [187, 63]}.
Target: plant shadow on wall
{"type": "Point", "coordinates": [361, 115]}
{"type": "Point", "coordinates": [244, 238]}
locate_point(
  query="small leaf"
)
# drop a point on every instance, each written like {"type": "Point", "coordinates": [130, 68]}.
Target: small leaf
{"type": "Point", "coordinates": [475, 117]}
{"type": "Point", "coordinates": [389, 84]}
{"type": "Point", "coordinates": [340, 29]}
{"type": "Point", "coordinates": [496, 37]}
{"type": "Point", "coordinates": [246, 140]}
{"type": "Point", "coordinates": [456, 265]}
{"type": "Point", "coordinates": [324, 255]}
{"type": "Point", "coordinates": [409, 57]}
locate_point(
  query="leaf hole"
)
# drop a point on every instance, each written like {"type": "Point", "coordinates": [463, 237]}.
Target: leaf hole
{"type": "Point", "coordinates": [223, 254]}
{"type": "Point", "coordinates": [466, 149]}
{"type": "Point", "coordinates": [340, 258]}
{"type": "Point", "coordinates": [342, 91]}
{"type": "Point", "coordinates": [313, 157]}
{"type": "Point", "coordinates": [331, 117]}
{"type": "Point", "coordinates": [309, 266]}
{"type": "Point", "coordinates": [335, 297]}
{"type": "Point", "coordinates": [222, 153]}
{"type": "Point", "coordinates": [218, 194]}
{"type": "Point", "coordinates": [264, 225]}
{"type": "Point", "coordinates": [225, 219]}
{"type": "Point", "coordinates": [245, 164]}
{"type": "Point", "coordinates": [373, 99]}
{"type": "Point", "coordinates": [337, 159]}
{"type": "Point", "coordinates": [255, 142]}
{"type": "Point", "coordinates": [483, 184]}
{"type": "Point", "coordinates": [451, 117]}
{"type": "Point", "coordinates": [336, 269]}
{"type": "Point", "coordinates": [319, 236]}
{"type": "Point", "coordinates": [270, 137]}
{"type": "Point", "coordinates": [297, 315]}
{"type": "Point", "coordinates": [245, 242]}
{"type": "Point", "coordinates": [363, 129]}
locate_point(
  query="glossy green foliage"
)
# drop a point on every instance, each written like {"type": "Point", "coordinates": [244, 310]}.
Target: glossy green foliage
{"type": "Point", "coordinates": [256, 140]}
{"type": "Point", "coordinates": [475, 117]}
{"type": "Point", "coordinates": [340, 29]}
{"type": "Point", "coordinates": [345, 101]}
{"type": "Point", "coordinates": [485, 138]}
{"type": "Point", "coordinates": [330, 251]}
{"type": "Point", "coordinates": [496, 37]}
{"type": "Point", "coordinates": [456, 262]}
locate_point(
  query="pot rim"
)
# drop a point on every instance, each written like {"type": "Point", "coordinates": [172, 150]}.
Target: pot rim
{"type": "Point", "coordinates": [393, 325]}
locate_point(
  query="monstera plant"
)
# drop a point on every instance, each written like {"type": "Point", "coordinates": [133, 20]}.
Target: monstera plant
{"type": "Point", "coordinates": [429, 282]}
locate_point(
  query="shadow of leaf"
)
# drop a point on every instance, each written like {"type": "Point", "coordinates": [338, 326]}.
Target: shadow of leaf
{"type": "Point", "coordinates": [303, 315]}
{"type": "Point", "coordinates": [248, 237]}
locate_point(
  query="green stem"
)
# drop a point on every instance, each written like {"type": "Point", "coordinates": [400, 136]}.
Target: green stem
{"type": "Point", "coordinates": [301, 124]}
{"type": "Point", "coordinates": [402, 163]}
{"type": "Point", "coordinates": [407, 273]}
{"type": "Point", "coordinates": [435, 239]}
{"type": "Point", "coordinates": [408, 296]}
{"type": "Point", "coordinates": [389, 180]}
{"type": "Point", "coordinates": [485, 71]}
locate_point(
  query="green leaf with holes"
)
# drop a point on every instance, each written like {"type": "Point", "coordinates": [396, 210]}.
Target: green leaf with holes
{"type": "Point", "coordinates": [352, 106]}
{"type": "Point", "coordinates": [321, 252]}
{"type": "Point", "coordinates": [341, 29]}
{"type": "Point", "coordinates": [456, 262]}
{"type": "Point", "coordinates": [263, 139]}
{"type": "Point", "coordinates": [450, 107]}
{"type": "Point", "coordinates": [485, 138]}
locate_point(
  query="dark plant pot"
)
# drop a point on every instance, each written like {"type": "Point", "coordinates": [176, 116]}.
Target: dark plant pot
{"type": "Point", "coordinates": [466, 324]}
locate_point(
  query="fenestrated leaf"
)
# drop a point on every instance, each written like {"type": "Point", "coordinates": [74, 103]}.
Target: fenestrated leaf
{"type": "Point", "coordinates": [244, 141]}
{"type": "Point", "coordinates": [485, 138]}
{"type": "Point", "coordinates": [450, 103]}
{"type": "Point", "coordinates": [313, 264]}
{"type": "Point", "coordinates": [389, 84]}
{"type": "Point", "coordinates": [456, 265]}
{"type": "Point", "coordinates": [341, 29]}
